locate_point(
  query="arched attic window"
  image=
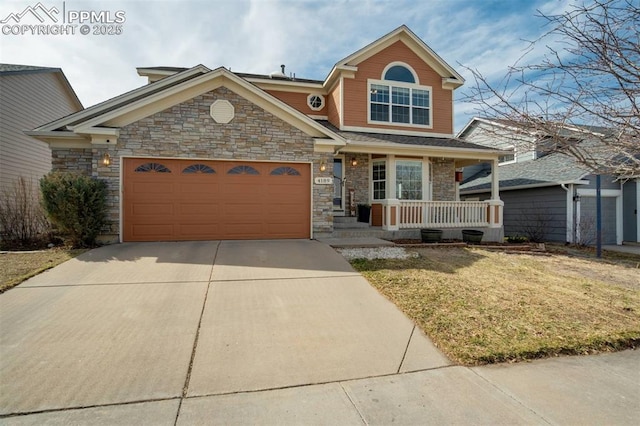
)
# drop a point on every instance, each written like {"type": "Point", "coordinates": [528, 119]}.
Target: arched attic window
{"type": "Point", "coordinates": [399, 99]}
{"type": "Point", "coordinates": [399, 73]}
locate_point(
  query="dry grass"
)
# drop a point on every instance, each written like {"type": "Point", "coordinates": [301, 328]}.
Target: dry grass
{"type": "Point", "coordinates": [16, 267]}
{"type": "Point", "coordinates": [481, 307]}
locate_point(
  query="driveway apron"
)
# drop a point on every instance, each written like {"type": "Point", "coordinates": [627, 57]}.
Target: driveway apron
{"type": "Point", "coordinates": [144, 322]}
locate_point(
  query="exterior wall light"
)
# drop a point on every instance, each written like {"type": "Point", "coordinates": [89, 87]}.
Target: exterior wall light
{"type": "Point", "coordinates": [106, 159]}
{"type": "Point", "coordinates": [323, 166]}
{"type": "Point", "coordinates": [354, 162]}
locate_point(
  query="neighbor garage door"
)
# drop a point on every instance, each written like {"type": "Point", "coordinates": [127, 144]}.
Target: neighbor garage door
{"type": "Point", "coordinates": [588, 220]}
{"type": "Point", "coordinates": [166, 200]}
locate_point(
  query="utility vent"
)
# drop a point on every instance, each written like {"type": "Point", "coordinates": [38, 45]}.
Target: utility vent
{"type": "Point", "coordinates": [278, 74]}
{"type": "Point", "coordinates": [222, 111]}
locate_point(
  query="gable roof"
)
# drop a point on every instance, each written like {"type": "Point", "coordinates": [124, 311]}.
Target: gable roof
{"type": "Point", "coordinates": [551, 170]}
{"type": "Point", "coordinates": [123, 99]}
{"type": "Point", "coordinates": [16, 69]}
{"type": "Point", "coordinates": [419, 47]}
{"type": "Point", "coordinates": [564, 129]}
{"type": "Point", "coordinates": [106, 117]}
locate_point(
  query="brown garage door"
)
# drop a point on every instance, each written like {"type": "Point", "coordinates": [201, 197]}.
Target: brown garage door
{"type": "Point", "coordinates": [167, 200]}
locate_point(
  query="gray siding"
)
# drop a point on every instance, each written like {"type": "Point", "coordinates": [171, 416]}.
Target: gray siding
{"type": "Point", "coordinates": [29, 100]}
{"type": "Point", "coordinates": [588, 220]}
{"type": "Point", "coordinates": [606, 182]}
{"type": "Point", "coordinates": [630, 211]}
{"type": "Point", "coordinates": [526, 207]}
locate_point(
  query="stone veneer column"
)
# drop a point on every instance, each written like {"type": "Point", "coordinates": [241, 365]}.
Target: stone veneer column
{"type": "Point", "coordinates": [443, 184]}
{"type": "Point", "coordinates": [357, 178]}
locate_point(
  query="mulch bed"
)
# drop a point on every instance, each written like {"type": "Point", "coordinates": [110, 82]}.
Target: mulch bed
{"type": "Point", "coordinates": [519, 247]}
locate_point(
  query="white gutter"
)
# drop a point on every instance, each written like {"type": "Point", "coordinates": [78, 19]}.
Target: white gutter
{"type": "Point", "coordinates": [534, 185]}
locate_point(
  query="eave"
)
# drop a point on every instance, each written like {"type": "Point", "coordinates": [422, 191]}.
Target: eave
{"type": "Point", "coordinates": [420, 150]}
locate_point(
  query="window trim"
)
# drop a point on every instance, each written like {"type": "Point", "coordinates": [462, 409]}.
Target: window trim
{"type": "Point", "coordinates": [400, 64]}
{"type": "Point", "coordinates": [386, 178]}
{"type": "Point", "coordinates": [410, 86]}
{"type": "Point", "coordinates": [322, 101]}
{"type": "Point", "coordinates": [515, 156]}
{"type": "Point", "coordinates": [422, 177]}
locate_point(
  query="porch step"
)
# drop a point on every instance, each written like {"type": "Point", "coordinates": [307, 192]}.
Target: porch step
{"type": "Point", "coordinates": [348, 222]}
{"type": "Point", "coordinates": [375, 233]}
{"type": "Point", "coordinates": [349, 225]}
{"type": "Point", "coordinates": [345, 219]}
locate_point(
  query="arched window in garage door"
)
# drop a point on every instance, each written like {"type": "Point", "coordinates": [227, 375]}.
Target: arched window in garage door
{"type": "Point", "coordinates": [199, 168]}
{"type": "Point", "coordinates": [288, 171]}
{"type": "Point", "coordinates": [152, 168]}
{"type": "Point", "coordinates": [243, 170]}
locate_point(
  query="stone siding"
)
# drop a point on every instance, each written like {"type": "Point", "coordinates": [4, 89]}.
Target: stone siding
{"type": "Point", "coordinates": [74, 160]}
{"type": "Point", "coordinates": [187, 130]}
{"type": "Point", "coordinates": [444, 186]}
{"type": "Point", "coordinates": [357, 179]}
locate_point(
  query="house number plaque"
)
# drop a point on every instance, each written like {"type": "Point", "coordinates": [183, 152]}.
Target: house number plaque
{"type": "Point", "coordinates": [323, 180]}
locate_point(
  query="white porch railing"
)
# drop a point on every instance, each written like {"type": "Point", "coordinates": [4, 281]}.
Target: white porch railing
{"type": "Point", "coordinates": [443, 214]}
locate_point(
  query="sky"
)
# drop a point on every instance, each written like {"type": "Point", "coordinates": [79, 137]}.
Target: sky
{"type": "Point", "coordinates": [256, 36]}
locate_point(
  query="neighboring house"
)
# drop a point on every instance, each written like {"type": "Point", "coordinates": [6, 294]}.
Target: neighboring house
{"type": "Point", "coordinates": [550, 194]}
{"type": "Point", "coordinates": [30, 96]}
{"type": "Point", "coordinates": [213, 154]}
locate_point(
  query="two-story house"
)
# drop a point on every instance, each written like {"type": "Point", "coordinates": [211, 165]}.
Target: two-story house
{"type": "Point", "coordinates": [550, 195]}
{"type": "Point", "coordinates": [201, 154]}
{"type": "Point", "coordinates": [31, 96]}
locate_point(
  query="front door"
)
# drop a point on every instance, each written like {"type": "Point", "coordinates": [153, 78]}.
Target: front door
{"type": "Point", "coordinates": [338, 186]}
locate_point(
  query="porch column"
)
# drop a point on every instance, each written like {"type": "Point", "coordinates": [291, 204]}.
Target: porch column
{"type": "Point", "coordinates": [391, 177]}
{"type": "Point", "coordinates": [495, 180]}
{"type": "Point", "coordinates": [391, 205]}
{"type": "Point", "coordinates": [391, 215]}
{"type": "Point", "coordinates": [496, 206]}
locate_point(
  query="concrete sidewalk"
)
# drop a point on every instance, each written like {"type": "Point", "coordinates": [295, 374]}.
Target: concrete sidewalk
{"type": "Point", "coordinates": [261, 332]}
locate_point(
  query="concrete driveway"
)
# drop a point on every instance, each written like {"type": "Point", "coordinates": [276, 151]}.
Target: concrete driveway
{"type": "Point", "coordinates": [261, 332]}
{"type": "Point", "coordinates": [163, 321]}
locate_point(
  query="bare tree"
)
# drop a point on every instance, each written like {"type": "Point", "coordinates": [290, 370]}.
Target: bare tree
{"type": "Point", "coordinates": [582, 97]}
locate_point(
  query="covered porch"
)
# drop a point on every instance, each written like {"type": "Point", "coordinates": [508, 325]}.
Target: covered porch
{"type": "Point", "coordinates": [406, 193]}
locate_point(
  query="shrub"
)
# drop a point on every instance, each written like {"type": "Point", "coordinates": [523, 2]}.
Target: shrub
{"type": "Point", "coordinates": [23, 222]}
{"type": "Point", "coordinates": [76, 204]}
{"type": "Point", "coordinates": [534, 223]}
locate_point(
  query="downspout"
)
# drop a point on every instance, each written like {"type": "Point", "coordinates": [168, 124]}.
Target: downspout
{"type": "Point", "coordinates": [570, 202]}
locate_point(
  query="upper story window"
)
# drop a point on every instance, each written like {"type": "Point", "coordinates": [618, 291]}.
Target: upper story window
{"type": "Point", "coordinates": [399, 73]}
{"type": "Point", "coordinates": [399, 98]}
{"type": "Point", "coordinates": [315, 102]}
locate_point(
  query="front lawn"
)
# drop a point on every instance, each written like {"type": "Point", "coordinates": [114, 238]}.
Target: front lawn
{"type": "Point", "coordinates": [16, 267]}
{"type": "Point", "coordinates": [481, 307]}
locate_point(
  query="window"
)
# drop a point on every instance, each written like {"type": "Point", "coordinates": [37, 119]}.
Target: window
{"type": "Point", "coordinates": [404, 102]}
{"type": "Point", "coordinates": [152, 168]}
{"type": "Point", "coordinates": [509, 158]}
{"type": "Point", "coordinates": [379, 180]}
{"type": "Point", "coordinates": [243, 170]}
{"type": "Point", "coordinates": [409, 180]}
{"type": "Point", "coordinates": [288, 171]}
{"type": "Point", "coordinates": [198, 168]}
{"type": "Point", "coordinates": [315, 102]}
{"type": "Point", "coordinates": [399, 73]}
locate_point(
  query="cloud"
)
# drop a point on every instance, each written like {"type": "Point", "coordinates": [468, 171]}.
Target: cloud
{"type": "Point", "coordinates": [257, 36]}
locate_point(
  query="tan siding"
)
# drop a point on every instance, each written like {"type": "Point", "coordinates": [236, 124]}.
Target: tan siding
{"type": "Point", "coordinates": [298, 101]}
{"type": "Point", "coordinates": [27, 101]}
{"type": "Point", "coordinates": [333, 105]}
{"type": "Point", "coordinates": [356, 96]}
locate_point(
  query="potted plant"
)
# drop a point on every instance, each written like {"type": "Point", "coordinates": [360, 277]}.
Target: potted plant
{"type": "Point", "coordinates": [431, 235]}
{"type": "Point", "coordinates": [364, 212]}
{"type": "Point", "coordinates": [472, 236]}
